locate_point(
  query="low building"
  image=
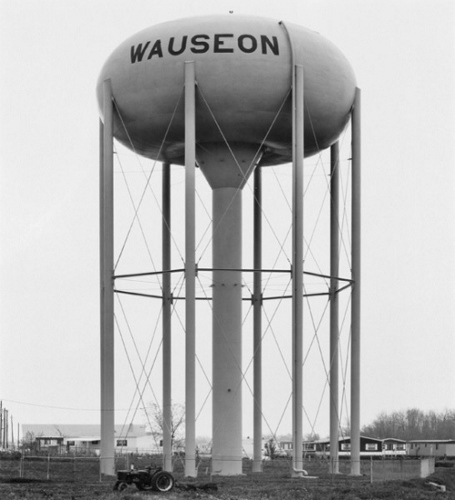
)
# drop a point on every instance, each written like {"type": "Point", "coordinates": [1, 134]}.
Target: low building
{"type": "Point", "coordinates": [86, 439]}
{"type": "Point", "coordinates": [321, 448]}
{"type": "Point", "coordinates": [49, 443]}
{"type": "Point", "coordinates": [431, 448]}
{"type": "Point", "coordinates": [393, 447]}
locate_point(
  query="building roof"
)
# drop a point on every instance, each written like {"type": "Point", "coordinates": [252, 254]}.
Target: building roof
{"type": "Point", "coordinates": [45, 436]}
{"type": "Point", "coordinates": [88, 431]}
{"type": "Point", "coordinates": [85, 439]}
{"type": "Point", "coordinates": [342, 439]}
{"type": "Point", "coordinates": [430, 441]}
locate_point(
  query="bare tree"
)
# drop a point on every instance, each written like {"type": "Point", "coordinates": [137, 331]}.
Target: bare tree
{"type": "Point", "coordinates": [270, 448]}
{"type": "Point", "coordinates": [29, 442]}
{"type": "Point", "coordinates": [413, 424]}
{"type": "Point", "coordinates": [311, 436]}
{"type": "Point", "coordinates": [155, 419]}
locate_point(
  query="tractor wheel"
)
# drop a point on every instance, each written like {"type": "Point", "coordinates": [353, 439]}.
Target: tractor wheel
{"type": "Point", "coordinates": [120, 486]}
{"type": "Point", "coordinates": [163, 481]}
{"type": "Point", "coordinates": [144, 487]}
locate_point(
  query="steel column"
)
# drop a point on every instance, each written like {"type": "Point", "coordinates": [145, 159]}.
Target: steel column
{"type": "Point", "coordinates": [356, 289]}
{"type": "Point", "coordinates": [190, 269]}
{"type": "Point", "coordinates": [297, 265]}
{"type": "Point", "coordinates": [334, 328]}
{"type": "Point", "coordinates": [107, 283]}
{"type": "Point", "coordinates": [167, 304]}
{"type": "Point", "coordinates": [257, 322]}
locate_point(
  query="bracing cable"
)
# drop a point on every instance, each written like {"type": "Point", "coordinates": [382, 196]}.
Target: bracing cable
{"type": "Point", "coordinates": [132, 372]}
{"type": "Point", "coordinates": [138, 219]}
{"type": "Point", "coordinates": [251, 167]}
{"type": "Point", "coordinates": [269, 327]}
{"type": "Point", "coordinates": [147, 185]}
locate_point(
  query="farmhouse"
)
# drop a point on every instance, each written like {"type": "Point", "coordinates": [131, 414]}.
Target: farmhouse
{"type": "Point", "coordinates": [86, 439]}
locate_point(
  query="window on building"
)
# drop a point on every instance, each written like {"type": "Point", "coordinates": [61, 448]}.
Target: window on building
{"type": "Point", "coordinates": [371, 446]}
{"type": "Point", "coordinates": [122, 442]}
{"type": "Point", "coordinates": [345, 446]}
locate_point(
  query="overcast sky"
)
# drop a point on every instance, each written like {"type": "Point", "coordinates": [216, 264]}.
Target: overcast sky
{"type": "Point", "coordinates": [51, 53]}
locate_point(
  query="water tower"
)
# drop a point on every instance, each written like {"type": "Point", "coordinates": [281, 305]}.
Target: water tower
{"type": "Point", "coordinates": [257, 92]}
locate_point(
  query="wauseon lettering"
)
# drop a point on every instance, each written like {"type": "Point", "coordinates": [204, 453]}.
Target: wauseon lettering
{"type": "Point", "coordinates": [220, 43]}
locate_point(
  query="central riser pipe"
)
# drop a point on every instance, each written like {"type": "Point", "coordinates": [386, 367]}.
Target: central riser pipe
{"type": "Point", "coordinates": [227, 331]}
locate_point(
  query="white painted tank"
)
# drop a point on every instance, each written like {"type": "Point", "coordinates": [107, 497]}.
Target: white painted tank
{"type": "Point", "coordinates": [243, 71]}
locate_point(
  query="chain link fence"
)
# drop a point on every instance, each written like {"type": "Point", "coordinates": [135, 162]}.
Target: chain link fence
{"type": "Point", "coordinates": [55, 468]}
{"type": "Point", "coordinates": [371, 470]}
{"type": "Point", "coordinates": [77, 467]}
{"type": "Point", "coordinates": [384, 469]}
{"type": "Point", "coordinates": [87, 468]}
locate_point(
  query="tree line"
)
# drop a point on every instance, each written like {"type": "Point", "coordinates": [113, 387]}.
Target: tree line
{"type": "Point", "coordinates": [413, 424]}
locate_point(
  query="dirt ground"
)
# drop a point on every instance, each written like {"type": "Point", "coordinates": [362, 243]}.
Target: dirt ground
{"type": "Point", "coordinates": [252, 487]}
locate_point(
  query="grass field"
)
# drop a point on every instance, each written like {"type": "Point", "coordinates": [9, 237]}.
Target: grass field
{"type": "Point", "coordinates": [273, 484]}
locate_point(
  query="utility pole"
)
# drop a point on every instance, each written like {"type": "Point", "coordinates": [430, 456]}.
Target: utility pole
{"type": "Point", "coordinates": [12, 433]}
{"type": "Point", "coordinates": [5, 424]}
{"type": "Point", "coordinates": [1, 424]}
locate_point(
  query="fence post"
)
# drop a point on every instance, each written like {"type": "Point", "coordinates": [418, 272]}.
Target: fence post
{"type": "Point", "coordinates": [48, 465]}
{"type": "Point", "coordinates": [371, 469]}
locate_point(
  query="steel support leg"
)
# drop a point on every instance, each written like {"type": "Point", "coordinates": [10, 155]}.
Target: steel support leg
{"type": "Point", "coordinates": [257, 327]}
{"type": "Point", "coordinates": [334, 328]}
{"type": "Point", "coordinates": [297, 267]}
{"type": "Point", "coordinates": [190, 270]}
{"type": "Point", "coordinates": [167, 304]}
{"type": "Point", "coordinates": [107, 284]}
{"type": "Point", "coordinates": [356, 276]}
